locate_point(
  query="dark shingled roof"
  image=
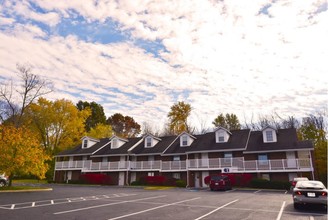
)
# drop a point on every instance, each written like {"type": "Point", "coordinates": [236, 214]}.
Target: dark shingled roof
{"type": "Point", "coordinates": [286, 140]}
{"type": "Point", "coordinates": [157, 149]}
{"type": "Point", "coordinates": [207, 142]}
{"type": "Point", "coordinates": [86, 151]}
{"type": "Point", "coordinates": [118, 151]}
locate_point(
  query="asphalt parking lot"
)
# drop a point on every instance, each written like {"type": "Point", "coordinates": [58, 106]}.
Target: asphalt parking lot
{"type": "Point", "coordinates": [103, 202]}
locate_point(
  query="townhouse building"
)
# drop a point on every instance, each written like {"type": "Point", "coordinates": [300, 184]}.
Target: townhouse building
{"type": "Point", "coordinates": [270, 154]}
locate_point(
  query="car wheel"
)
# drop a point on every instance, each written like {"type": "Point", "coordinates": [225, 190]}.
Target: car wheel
{"type": "Point", "coordinates": [296, 206]}
{"type": "Point", "coordinates": [2, 183]}
{"type": "Point", "coordinates": [212, 189]}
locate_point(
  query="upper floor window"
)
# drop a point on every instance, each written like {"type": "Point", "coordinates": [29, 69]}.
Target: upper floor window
{"type": "Point", "coordinates": [176, 158]}
{"type": "Point", "coordinates": [221, 138]}
{"type": "Point", "coordinates": [184, 140]}
{"type": "Point", "coordinates": [227, 157]}
{"type": "Point", "coordinates": [114, 143]}
{"type": "Point", "coordinates": [269, 136]}
{"type": "Point", "coordinates": [85, 144]}
{"type": "Point", "coordinates": [148, 142]}
{"type": "Point", "coordinates": [263, 159]}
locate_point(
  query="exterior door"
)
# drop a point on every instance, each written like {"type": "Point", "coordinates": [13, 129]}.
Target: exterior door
{"type": "Point", "coordinates": [291, 159]}
{"type": "Point", "coordinates": [197, 176]}
{"type": "Point", "coordinates": [121, 179]}
{"type": "Point", "coordinates": [204, 160]}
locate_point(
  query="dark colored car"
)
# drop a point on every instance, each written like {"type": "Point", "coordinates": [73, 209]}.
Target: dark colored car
{"type": "Point", "coordinates": [3, 180]}
{"type": "Point", "coordinates": [220, 182]}
{"type": "Point", "coordinates": [309, 192]}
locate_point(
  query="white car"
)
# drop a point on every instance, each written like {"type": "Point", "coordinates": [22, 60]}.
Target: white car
{"type": "Point", "coordinates": [3, 180]}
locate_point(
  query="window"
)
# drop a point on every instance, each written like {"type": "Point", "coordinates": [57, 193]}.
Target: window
{"type": "Point", "coordinates": [114, 143]}
{"type": "Point", "coordinates": [221, 138]}
{"type": "Point", "coordinates": [176, 158]}
{"type": "Point", "coordinates": [266, 176]}
{"type": "Point", "coordinates": [263, 159]}
{"type": "Point", "coordinates": [148, 142]}
{"type": "Point", "coordinates": [85, 144]}
{"type": "Point", "coordinates": [227, 157]}
{"type": "Point", "coordinates": [184, 140]}
{"type": "Point", "coordinates": [269, 136]}
{"type": "Point", "coordinates": [176, 175]}
{"type": "Point", "coordinates": [151, 174]}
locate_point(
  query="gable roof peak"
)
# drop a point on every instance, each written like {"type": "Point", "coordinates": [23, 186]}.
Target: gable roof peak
{"type": "Point", "coordinates": [90, 138]}
{"type": "Point", "coordinates": [221, 128]}
{"type": "Point", "coordinates": [269, 126]}
{"type": "Point", "coordinates": [184, 132]}
{"type": "Point", "coordinates": [153, 136]}
{"type": "Point", "coordinates": [122, 139]}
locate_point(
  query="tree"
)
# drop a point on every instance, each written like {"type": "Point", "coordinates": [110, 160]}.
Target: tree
{"type": "Point", "coordinates": [229, 121]}
{"type": "Point", "coordinates": [21, 153]}
{"type": "Point", "coordinates": [101, 131]}
{"type": "Point", "coordinates": [178, 118]}
{"type": "Point", "coordinates": [314, 128]}
{"type": "Point", "coordinates": [124, 126]}
{"type": "Point", "coordinates": [31, 88]}
{"type": "Point", "coordinates": [97, 114]}
{"type": "Point", "coordinates": [59, 124]}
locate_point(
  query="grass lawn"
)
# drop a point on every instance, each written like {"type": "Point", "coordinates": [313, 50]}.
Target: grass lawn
{"type": "Point", "coordinates": [29, 181]}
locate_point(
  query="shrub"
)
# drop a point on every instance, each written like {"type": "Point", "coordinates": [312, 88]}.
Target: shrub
{"type": "Point", "coordinates": [152, 180]}
{"type": "Point", "coordinates": [266, 184]}
{"type": "Point", "coordinates": [181, 183]}
{"type": "Point", "coordinates": [94, 178]}
{"type": "Point", "coordinates": [135, 183]}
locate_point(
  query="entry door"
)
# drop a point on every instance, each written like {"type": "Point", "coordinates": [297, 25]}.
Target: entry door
{"type": "Point", "coordinates": [204, 160]}
{"type": "Point", "coordinates": [121, 179]}
{"type": "Point", "coordinates": [291, 159]}
{"type": "Point", "coordinates": [197, 176]}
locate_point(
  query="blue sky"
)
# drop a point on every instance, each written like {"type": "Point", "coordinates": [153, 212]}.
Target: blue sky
{"type": "Point", "coordinates": [140, 57]}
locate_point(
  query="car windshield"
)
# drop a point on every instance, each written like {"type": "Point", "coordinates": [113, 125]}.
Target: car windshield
{"type": "Point", "coordinates": [216, 178]}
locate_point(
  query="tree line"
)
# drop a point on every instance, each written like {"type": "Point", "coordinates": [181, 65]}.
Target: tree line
{"type": "Point", "coordinates": [34, 129]}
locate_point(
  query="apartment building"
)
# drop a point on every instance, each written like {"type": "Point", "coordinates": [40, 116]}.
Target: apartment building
{"type": "Point", "coordinates": [270, 154]}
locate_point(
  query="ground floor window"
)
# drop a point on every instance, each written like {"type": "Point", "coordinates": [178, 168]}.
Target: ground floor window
{"type": "Point", "coordinates": [265, 176]}
{"type": "Point", "coordinates": [151, 174]}
{"type": "Point", "coordinates": [176, 176]}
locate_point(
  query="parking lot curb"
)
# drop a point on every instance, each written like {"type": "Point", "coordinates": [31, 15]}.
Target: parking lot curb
{"type": "Point", "coordinates": [25, 190]}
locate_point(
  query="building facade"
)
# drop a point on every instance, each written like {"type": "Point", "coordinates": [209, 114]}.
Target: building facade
{"type": "Point", "coordinates": [270, 154]}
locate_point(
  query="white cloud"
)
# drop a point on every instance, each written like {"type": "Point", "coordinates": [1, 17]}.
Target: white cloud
{"type": "Point", "coordinates": [231, 58]}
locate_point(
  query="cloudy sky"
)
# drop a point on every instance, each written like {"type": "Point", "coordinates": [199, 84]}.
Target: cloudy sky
{"type": "Point", "coordinates": [140, 57]}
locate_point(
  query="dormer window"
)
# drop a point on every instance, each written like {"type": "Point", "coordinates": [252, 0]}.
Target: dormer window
{"type": "Point", "coordinates": [148, 142]}
{"type": "Point", "coordinates": [222, 135]}
{"type": "Point", "coordinates": [85, 144]}
{"type": "Point", "coordinates": [114, 143]}
{"type": "Point", "coordinates": [88, 142]}
{"type": "Point", "coordinates": [184, 140]}
{"type": "Point", "coordinates": [269, 136]}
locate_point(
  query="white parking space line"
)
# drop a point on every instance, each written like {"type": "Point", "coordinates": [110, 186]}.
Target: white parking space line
{"type": "Point", "coordinates": [311, 218]}
{"type": "Point", "coordinates": [230, 190]}
{"type": "Point", "coordinates": [108, 204]}
{"type": "Point", "coordinates": [203, 216]}
{"type": "Point", "coordinates": [257, 191]}
{"type": "Point", "coordinates": [147, 210]}
{"type": "Point", "coordinates": [281, 210]}
{"type": "Point", "coordinates": [41, 203]}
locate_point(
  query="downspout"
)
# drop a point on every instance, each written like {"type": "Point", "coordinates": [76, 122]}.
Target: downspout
{"type": "Point", "coordinates": [127, 171]}
{"type": "Point", "coordinates": [187, 166]}
{"type": "Point", "coordinates": [54, 176]}
{"type": "Point", "coordinates": [312, 168]}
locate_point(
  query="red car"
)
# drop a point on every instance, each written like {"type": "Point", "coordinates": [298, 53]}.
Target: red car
{"type": "Point", "coordinates": [220, 182]}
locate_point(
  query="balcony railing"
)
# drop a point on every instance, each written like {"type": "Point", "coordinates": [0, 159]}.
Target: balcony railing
{"type": "Point", "coordinates": [235, 164]}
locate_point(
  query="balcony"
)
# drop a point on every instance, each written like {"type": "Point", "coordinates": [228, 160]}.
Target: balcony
{"type": "Point", "coordinates": [234, 164]}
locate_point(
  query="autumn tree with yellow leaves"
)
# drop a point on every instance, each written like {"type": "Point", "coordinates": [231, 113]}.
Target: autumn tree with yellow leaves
{"type": "Point", "coordinates": [21, 153]}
